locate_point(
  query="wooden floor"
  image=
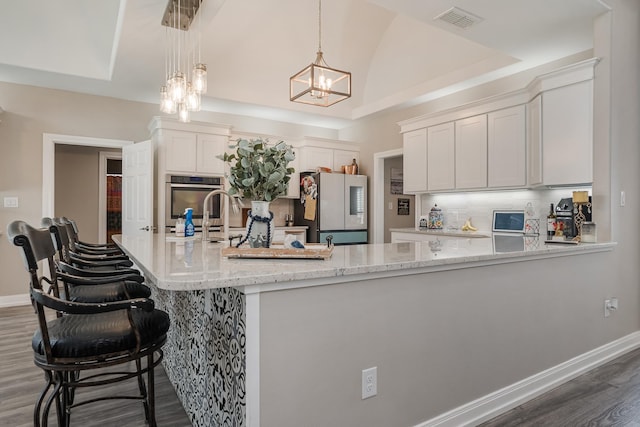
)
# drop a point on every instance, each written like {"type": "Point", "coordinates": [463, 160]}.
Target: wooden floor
{"type": "Point", "coordinates": [21, 382]}
{"type": "Point", "coordinates": [606, 396]}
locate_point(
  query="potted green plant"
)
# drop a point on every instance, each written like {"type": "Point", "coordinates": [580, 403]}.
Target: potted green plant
{"type": "Point", "coordinates": [259, 172]}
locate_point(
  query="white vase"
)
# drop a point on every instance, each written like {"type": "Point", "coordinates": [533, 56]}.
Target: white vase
{"type": "Point", "coordinates": [259, 225]}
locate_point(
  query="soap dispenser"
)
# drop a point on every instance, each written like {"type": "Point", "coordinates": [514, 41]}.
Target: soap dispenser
{"type": "Point", "coordinates": [189, 229]}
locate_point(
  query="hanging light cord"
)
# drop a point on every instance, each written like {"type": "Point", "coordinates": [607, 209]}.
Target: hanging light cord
{"type": "Point", "coordinates": [319, 26]}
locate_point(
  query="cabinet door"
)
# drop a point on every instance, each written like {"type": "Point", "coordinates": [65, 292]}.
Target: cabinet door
{"type": "Point", "coordinates": [180, 151]}
{"type": "Point", "coordinates": [506, 147]}
{"type": "Point", "coordinates": [414, 161]}
{"type": "Point", "coordinates": [293, 191]}
{"type": "Point", "coordinates": [567, 134]}
{"type": "Point", "coordinates": [344, 157]}
{"type": "Point", "coordinates": [441, 157]}
{"type": "Point", "coordinates": [471, 152]}
{"type": "Point", "coordinates": [313, 157]}
{"type": "Point", "coordinates": [534, 141]}
{"type": "Point", "coordinates": [208, 148]}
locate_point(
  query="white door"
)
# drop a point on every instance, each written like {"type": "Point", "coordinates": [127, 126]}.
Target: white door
{"type": "Point", "coordinates": [137, 188]}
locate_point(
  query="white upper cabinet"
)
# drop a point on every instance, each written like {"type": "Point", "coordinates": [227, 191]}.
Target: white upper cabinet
{"type": "Point", "coordinates": [180, 151]}
{"type": "Point", "coordinates": [209, 147]}
{"type": "Point", "coordinates": [534, 141]}
{"type": "Point", "coordinates": [188, 148]}
{"type": "Point", "coordinates": [344, 157]}
{"type": "Point", "coordinates": [567, 134]}
{"type": "Point", "coordinates": [441, 162]}
{"type": "Point", "coordinates": [414, 161]}
{"type": "Point", "coordinates": [506, 131]}
{"type": "Point", "coordinates": [312, 157]}
{"type": "Point", "coordinates": [293, 191]}
{"type": "Point", "coordinates": [194, 153]}
{"type": "Point", "coordinates": [540, 135]}
{"type": "Point", "coordinates": [471, 152]}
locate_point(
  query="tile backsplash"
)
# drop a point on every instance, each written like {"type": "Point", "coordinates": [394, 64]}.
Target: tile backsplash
{"type": "Point", "coordinates": [479, 206]}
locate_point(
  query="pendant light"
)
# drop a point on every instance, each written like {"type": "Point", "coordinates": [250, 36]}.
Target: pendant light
{"type": "Point", "coordinates": [319, 84]}
{"type": "Point", "coordinates": [179, 94]}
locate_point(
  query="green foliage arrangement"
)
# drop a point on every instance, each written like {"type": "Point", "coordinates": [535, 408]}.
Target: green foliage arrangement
{"type": "Point", "coordinates": [259, 171]}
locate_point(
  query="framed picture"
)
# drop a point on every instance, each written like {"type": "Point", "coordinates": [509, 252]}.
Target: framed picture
{"type": "Point", "coordinates": [403, 206]}
{"type": "Point", "coordinates": [396, 181]}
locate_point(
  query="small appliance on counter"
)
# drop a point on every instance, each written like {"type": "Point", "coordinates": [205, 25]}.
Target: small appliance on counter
{"type": "Point", "coordinates": [565, 217]}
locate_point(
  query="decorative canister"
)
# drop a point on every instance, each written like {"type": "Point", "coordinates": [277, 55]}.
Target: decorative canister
{"type": "Point", "coordinates": [436, 218]}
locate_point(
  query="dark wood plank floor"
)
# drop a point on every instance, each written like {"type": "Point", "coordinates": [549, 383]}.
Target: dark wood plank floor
{"type": "Point", "coordinates": [606, 396]}
{"type": "Point", "coordinates": [21, 382]}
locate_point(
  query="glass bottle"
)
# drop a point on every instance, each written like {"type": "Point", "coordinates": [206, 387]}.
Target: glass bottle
{"type": "Point", "coordinates": [551, 222]}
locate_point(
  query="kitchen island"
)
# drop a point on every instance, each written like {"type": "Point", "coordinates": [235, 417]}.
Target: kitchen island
{"type": "Point", "coordinates": [283, 342]}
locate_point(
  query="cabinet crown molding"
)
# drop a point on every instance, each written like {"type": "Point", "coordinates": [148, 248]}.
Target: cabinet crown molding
{"type": "Point", "coordinates": [167, 123]}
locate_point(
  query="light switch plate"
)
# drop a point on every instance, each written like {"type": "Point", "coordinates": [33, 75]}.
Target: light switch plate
{"type": "Point", "coordinates": [10, 202]}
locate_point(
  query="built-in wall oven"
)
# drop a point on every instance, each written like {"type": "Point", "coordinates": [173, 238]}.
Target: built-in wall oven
{"type": "Point", "coordinates": [188, 191]}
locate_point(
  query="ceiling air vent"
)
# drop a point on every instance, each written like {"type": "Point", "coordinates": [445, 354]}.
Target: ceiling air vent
{"type": "Point", "coordinates": [458, 17]}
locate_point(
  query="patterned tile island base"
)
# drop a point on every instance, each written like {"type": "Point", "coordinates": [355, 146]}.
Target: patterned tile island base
{"type": "Point", "coordinates": [205, 355]}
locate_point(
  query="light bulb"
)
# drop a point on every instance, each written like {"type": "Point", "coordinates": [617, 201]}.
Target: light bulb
{"type": "Point", "coordinates": [183, 113]}
{"type": "Point", "coordinates": [177, 87]}
{"type": "Point", "coordinates": [193, 98]}
{"type": "Point", "coordinates": [166, 103]}
{"type": "Point", "coordinates": [199, 78]}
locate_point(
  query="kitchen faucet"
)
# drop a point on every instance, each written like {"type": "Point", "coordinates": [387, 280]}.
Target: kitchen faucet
{"type": "Point", "coordinates": [235, 201]}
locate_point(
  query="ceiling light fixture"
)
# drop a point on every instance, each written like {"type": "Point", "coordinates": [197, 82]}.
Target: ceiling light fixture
{"type": "Point", "coordinates": [179, 94]}
{"type": "Point", "coordinates": [319, 84]}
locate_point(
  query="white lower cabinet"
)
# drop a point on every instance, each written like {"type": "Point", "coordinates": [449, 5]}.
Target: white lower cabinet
{"type": "Point", "coordinates": [471, 153]}
{"type": "Point", "coordinates": [506, 147]}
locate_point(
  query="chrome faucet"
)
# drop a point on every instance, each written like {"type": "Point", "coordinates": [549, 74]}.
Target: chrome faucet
{"type": "Point", "coordinates": [236, 202]}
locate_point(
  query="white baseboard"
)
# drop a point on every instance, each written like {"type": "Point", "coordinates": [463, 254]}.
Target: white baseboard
{"type": "Point", "coordinates": [15, 300]}
{"type": "Point", "coordinates": [500, 401]}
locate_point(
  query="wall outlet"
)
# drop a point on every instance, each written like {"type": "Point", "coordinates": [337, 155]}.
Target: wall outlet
{"type": "Point", "coordinates": [369, 382]}
{"type": "Point", "coordinates": [610, 305]}
{"type": "Point", "coordinates": [10, 202]}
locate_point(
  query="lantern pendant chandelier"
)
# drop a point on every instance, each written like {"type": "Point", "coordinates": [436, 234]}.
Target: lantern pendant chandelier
{"type": "Point", "coordinates": [182, 90]}
{"type": "Point", "coordinates": [319, 84]}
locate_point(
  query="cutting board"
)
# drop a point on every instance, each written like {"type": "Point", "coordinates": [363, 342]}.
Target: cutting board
{"type": "Point", "coordinates": [310, 251]}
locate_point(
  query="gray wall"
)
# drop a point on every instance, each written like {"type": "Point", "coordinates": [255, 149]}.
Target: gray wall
{"type": "Point", "coordinates": [439, 340]}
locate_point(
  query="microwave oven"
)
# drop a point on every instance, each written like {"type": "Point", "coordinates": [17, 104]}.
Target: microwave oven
{"type": "Point", "coordinates": [189, 191]}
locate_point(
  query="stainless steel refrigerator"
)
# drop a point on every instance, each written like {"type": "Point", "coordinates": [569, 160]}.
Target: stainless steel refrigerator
{"type": "Point", "coordinates": [333, 204]}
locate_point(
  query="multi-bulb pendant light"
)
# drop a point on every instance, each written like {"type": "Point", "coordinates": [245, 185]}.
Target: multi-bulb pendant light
{"type": "Point", "coordinates": [319, 84]}
{"type": "Point", "coordinates": [182, 91]}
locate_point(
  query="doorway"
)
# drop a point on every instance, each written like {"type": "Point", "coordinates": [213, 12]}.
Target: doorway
{"type": "Point", "coordinates": [49, 142]}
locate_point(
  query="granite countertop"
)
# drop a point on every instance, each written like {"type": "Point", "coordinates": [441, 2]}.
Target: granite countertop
{"type": "Point", "coordinates": [278, 227]}
{"type": "Point", "coordinates": [445, 232]}
{"type": "Point", "coordinates": [192, 264]}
